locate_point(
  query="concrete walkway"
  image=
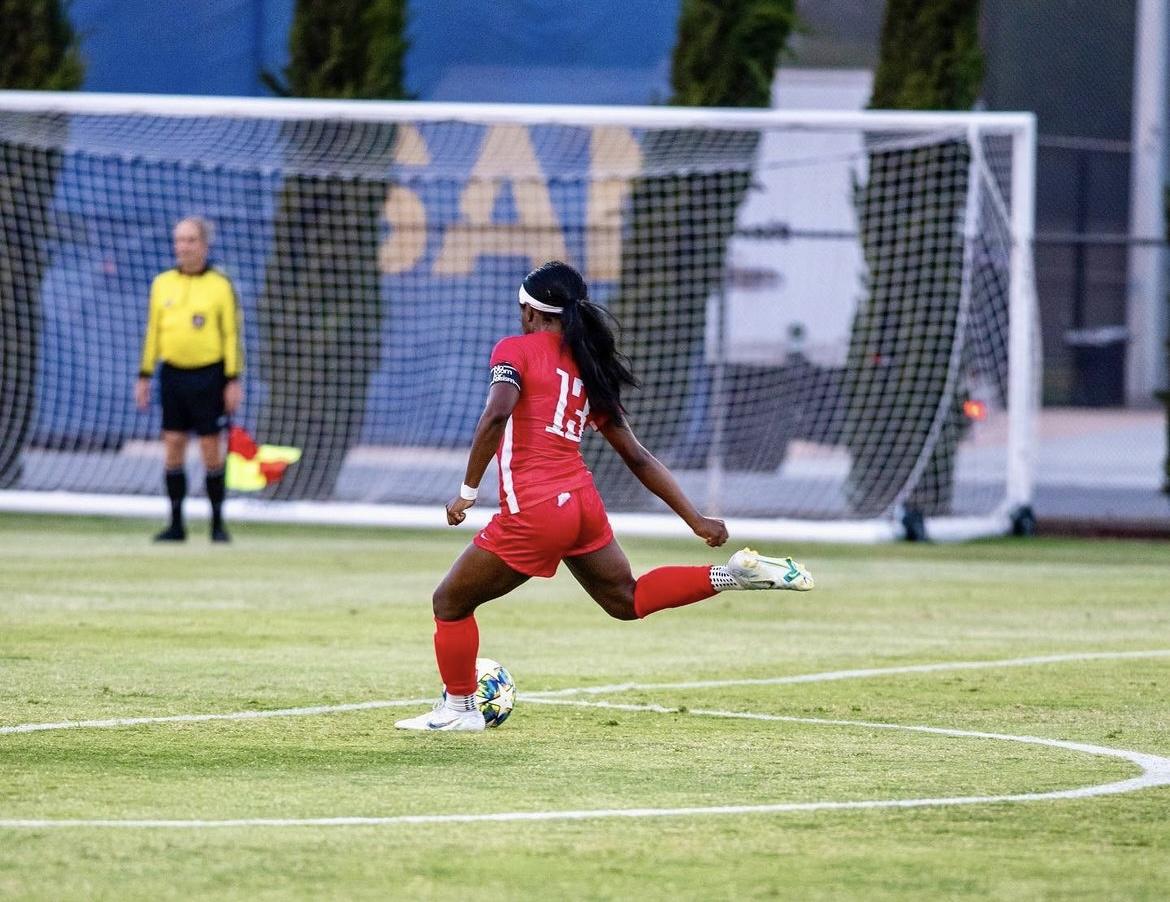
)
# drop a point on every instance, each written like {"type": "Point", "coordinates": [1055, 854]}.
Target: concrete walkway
{"type": "Point", "coordinates": [1102, 469]}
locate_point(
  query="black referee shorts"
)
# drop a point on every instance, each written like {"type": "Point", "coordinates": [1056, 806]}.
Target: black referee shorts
{"type": "Point", "coordinates": [192, 400]}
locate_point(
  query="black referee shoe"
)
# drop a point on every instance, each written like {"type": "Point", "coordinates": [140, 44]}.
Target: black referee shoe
{"type": "Point", "coordinates": [173, 533]}
{"type": "Point", "coordinates": [219, 534]}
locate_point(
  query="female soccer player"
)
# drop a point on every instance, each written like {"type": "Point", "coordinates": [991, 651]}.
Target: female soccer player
{"type": "Point", "coordinates": [562, 374]}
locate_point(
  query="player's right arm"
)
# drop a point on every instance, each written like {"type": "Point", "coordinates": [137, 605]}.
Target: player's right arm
{"type": "Point", "coordinates": [149, 351]}
{"type": "Point", "coordinates": [507, 362]}
{"type": "Point", "coordinates": [501, 401]}
{"type": "Point", "coordinates": [653, 474]}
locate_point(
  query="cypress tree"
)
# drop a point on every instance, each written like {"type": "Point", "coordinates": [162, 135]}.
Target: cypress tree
{"type": "Point", "coordinates": [725, 55]}
{"type": "Point", "coordinates": [347, 49]}
{"type": "Point", "coordinates": [38, 51]}
{"type": "Point", "coordinates": [38, 48]}
{"type": "Point", "coordinates": [321, 308]}
{"type": "Point", "coordinates": [930, 57]}
{"type": "Point", "coordinates": [727, 51]}
{"type": "Point", "coordinates": [911, 219]}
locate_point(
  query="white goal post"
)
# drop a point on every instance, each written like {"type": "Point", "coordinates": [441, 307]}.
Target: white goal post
{"type": "Point", "coordinates": [832, 313]}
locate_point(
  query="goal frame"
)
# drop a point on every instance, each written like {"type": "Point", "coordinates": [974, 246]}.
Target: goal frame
{"type": "Point", "coordinates": [1013, 513]}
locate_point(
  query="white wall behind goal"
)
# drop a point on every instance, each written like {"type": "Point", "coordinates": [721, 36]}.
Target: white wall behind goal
{"type": "Point", "coordinates": [783, 297]}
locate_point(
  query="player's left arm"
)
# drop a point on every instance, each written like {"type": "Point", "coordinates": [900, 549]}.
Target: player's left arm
{"type": "Point", "coordinates": [653, 474]}
{"type": "Point", "coordinates": [233, 350]}
{"type": "Point", "coordinates": [501, 401]}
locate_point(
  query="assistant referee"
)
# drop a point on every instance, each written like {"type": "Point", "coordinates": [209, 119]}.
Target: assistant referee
{"type": "Point", "coordinates": [193, 328]}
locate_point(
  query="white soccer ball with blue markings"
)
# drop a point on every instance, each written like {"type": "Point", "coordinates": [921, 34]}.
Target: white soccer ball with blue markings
{"type": "Point", "coordinates": [496, 692]}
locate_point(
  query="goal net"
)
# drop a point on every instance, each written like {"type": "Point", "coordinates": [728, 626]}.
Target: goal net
{"type": "Point", "coordinates": [831, 314]}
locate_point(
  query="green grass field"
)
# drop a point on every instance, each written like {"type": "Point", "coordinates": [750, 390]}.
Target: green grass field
{"type": "Point", "coordinates": [96, 623]}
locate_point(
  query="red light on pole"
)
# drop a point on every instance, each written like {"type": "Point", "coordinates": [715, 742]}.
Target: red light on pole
{"type": "Point", "coordinates": [975, 410]}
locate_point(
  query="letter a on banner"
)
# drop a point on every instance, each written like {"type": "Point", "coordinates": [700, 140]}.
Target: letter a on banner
{"type": "Point", "coordinates": [507, 155]}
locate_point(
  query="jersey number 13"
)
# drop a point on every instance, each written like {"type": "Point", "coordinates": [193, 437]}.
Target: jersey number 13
{"type": "Point", "coordinates": [569, 423]}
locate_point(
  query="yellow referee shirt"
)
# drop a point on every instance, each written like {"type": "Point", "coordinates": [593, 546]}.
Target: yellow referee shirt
{"type": "Point", "coordinates": [194, 321]}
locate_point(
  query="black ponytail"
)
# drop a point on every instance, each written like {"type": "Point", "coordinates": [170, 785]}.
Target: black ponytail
{"type": "Point", "coordinates": [588, 331]}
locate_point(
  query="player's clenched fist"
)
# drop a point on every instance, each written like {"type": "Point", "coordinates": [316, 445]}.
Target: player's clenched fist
{"type": "Point", "coordinates": [457, 510]}
{"type": "Point", "coordinates": [712, 531]}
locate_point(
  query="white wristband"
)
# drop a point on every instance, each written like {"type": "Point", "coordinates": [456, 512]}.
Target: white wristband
{"type": "Point", "coordinates": [467, 493]}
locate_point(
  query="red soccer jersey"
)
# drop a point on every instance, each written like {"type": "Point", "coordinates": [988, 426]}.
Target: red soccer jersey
{"type": "Point", "coordinates": [540, 454]}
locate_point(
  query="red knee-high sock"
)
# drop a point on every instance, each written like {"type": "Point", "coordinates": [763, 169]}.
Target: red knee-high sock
{"type": "Point", "coordinates": [456, 645]}
{"type": "Point", "coordinates": [671, 587]}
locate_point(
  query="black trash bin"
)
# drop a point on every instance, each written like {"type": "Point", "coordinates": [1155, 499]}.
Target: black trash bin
{"type": "Point", "coordinates": [1098, 359]}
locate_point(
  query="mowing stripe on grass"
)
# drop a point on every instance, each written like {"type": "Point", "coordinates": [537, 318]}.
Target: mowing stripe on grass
{"type": "Point", "coordinates": [1155, 768]}
{"type": "Point", "coordinates": [824, 676]}
{"type": "Point", "coordinates": [1155, 772]}
{"type": "Point", "coordinates": [827, 676]}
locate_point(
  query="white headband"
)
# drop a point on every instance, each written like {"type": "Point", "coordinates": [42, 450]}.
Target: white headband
{"type": "Point", "coordinates": [526, 298]}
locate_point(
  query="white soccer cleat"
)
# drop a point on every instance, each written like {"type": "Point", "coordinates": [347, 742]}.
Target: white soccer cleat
{"type": "Point", "coordinates": [443, 718]}
{"type": "Point", "coordinates": [751, 570]}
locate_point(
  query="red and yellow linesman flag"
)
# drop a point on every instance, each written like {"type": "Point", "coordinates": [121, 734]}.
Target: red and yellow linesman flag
{"type": "Point", "coordinates": [252, 467]}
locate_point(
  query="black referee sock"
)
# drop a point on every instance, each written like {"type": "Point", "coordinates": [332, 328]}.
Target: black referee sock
{"type": "Point", "coordinates": [215, 493]}
{"type": "Point", "coordinates": [177, 491]}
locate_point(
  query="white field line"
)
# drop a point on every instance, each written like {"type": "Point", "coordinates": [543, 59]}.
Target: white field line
{"type": "Point", "coordinates": [824, 676]}
{"type": "Point", "coordinates": [1155, 772]}
{"type": "Point", "coordinates": [200, 718]}
{"type": "Point", "coordinates": [1155, 768]}
{"type": "Point", "coordinates": [828, 676]}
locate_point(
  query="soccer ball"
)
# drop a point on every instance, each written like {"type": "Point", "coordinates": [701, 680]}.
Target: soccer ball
{"type": "Point", "coordinates": [496, 692]}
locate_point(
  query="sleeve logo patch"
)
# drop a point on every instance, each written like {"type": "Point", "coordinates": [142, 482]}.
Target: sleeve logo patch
{"type": "Point", "coordinates": [505, 372]}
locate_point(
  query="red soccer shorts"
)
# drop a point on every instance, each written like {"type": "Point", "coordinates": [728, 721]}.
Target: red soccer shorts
{"type": "Point", "coordinates": [537, 539]}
